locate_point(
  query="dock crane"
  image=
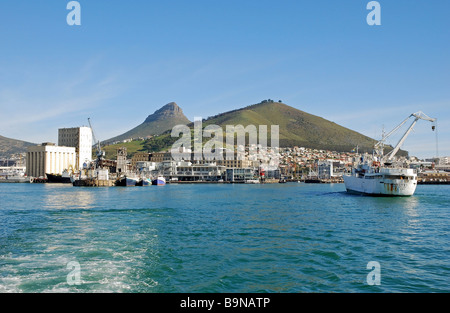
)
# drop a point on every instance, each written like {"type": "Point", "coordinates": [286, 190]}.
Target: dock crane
{"type": "Point", "coordinates": [380, 145]}
{"type": "Point", "coordinates": [100, 154]}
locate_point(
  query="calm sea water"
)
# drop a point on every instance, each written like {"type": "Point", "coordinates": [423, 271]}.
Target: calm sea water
{"type": "Point", "coordinates": [221, 238]}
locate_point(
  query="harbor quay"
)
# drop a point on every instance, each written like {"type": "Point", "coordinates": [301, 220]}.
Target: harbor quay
{"type": "Point", "coordinates": [77, 160]}
{"type": "Point", "coordinates": [296, 164]}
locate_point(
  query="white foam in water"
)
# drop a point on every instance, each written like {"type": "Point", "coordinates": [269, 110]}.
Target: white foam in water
{"type": "Point", "coordinates": [10, 284]}
{"type": "Point", "coordinates": [48, 275]}
{"type": "Point", "coordinates": [107, 276]}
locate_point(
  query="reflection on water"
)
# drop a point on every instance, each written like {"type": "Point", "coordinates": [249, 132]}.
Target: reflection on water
{"type": "Point", "coordinates": [67, 197]}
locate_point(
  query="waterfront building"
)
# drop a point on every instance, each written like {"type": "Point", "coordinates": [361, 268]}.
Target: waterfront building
{"type": "Point", "coordinates": [168, 169]}
{"type": "Point", "coordinates": [200, 172]}
{"type": "Point", "coordinates": [49, 159]}
{"type": "Point", "coordinates": [325, 170]}
{"type": "Point", "coordinates": [110, 165]}
{"type": "Point", "coordinates": [140, 157]}
{"type": "Point", "coordinates": [272, 174]}
{"type": "Point", "coordinates": [122, 164]}
{"type": "Point", "coordinates": [434, 176]}
{"type": "Point", "coordinates": [240, 174]}
{"type": "Point", "coordinates": [160, 157]}
{"type": "Point", "coordinates": [81, 139]}
{"type": "Point", "coordinates": [245, 163]}
{"type": "Point", "coordinates": [444, 161]}
{"type": "Point", "coordinates": [187, 171]}
{"type": "Point", "coordinates": [145, 166]}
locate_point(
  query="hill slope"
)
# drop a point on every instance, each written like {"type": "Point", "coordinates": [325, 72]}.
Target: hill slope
{"type": "Point", "coordinates": [297, 128]}
{"type": "Point", "coordinates": [10, 146]}
{"type": "Point", "coordinates": [155, 124]}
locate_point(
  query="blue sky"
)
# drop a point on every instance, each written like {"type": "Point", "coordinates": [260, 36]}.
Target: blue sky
{"type": "Point", "coordinates": [129, 58]}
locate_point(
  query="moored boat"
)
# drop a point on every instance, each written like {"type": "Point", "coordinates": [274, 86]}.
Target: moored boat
{"type": "Point", "coordinates": [126, 181]}
{"type": "Point", "coordinates": [312, 181]}
{"type": "Point", "coordinates": [14, 176]}
{"type": "Point", "coordinates": [15, 179]}
{"type": "Point", "coordinates": [64, 178]}
{"type": "Point", "coordinates": [159, 181]}
{"type": "Point", "coordinates": [144, 182]}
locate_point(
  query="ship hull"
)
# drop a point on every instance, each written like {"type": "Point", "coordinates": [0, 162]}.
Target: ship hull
{"type": "Point", "coordinates": [312, 181]}
{"type": "Point", "coordinates": [159, 181]}
{"type": "Point", "coordinates": [126, 182]}
{"type": "Point", "coordinates": [380, 186]}
{"type": "Point", "coordinates": [58, 179]}
{"type": "Point", "coordinates": [15, 180]}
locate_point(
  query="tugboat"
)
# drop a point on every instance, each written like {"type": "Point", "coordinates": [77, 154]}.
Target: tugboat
{"type": "Point", "coordinates": [379, 175]}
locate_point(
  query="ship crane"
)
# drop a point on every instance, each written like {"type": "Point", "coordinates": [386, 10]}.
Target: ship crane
{"type": "Point", "coordinates": [100, 153]}
{"type": "Point", "coordinates": [380, 145]}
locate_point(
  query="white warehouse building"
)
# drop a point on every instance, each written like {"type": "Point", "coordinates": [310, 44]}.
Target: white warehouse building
{"type": "Point", "coordinates": [49, 159]}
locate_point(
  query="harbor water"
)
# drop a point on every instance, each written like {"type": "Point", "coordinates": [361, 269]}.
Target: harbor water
{"type": "Point", "coordinates": [221, 238]}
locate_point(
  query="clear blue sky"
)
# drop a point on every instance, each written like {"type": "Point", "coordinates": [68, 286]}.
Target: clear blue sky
{"type": "Point", "coordinates": [129, 58]}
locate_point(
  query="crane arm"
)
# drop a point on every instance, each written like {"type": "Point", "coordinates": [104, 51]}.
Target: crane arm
{"type": "Point", "coordinates": [381, 142]}
{"type": "Point", "coordinates": [92, 130]}
{"type": "Point", "coordinates": [423, 116]}
{"type": "Point", "coordinates": [99, 151]}
{"type": "Point", "coordinates": [391, 154]}
{"type": "Point", "coordinates": [418, 116]}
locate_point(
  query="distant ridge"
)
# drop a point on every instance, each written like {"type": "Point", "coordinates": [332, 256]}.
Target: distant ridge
{"type": "Point", "coordinates": [155, 124]}
{"type": "Point", "coordinates": [297, 128]}
{"type": "Point", "coordinates": [10, 146]}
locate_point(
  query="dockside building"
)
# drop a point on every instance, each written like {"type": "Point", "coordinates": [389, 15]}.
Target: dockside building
{"type": "Point", "coordinates": [81, 139]}
{"type": "Point", "coordinates": [49, 159]}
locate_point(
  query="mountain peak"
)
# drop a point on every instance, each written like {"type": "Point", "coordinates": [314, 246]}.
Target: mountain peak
{"type": "Point", "coordinates": [170, 110]}
{"type": "Point", "coordinates": [162, 120]}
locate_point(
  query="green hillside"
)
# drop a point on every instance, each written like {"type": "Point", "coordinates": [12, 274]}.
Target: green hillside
{"type": "Point", "coordinates": [297, 128]}
{"type": "Point", "coordinates": [132, 147]}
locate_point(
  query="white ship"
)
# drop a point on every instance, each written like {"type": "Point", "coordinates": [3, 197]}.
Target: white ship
{"type": "Point", "coordinates": [379, 175]}
{"type": "Point", "coordinates": [382, 181]}
{"type": "Point", "coordinates": [14, 175]}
